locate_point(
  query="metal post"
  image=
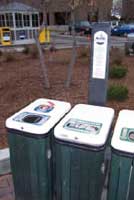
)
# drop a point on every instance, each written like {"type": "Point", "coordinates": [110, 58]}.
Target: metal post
{"type": "Point", "coordinates": [99, 64]}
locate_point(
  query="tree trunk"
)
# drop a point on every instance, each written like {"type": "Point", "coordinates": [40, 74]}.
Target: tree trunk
{"type": "Point", "coordinates": [73, 55]}
{"type": "Point", "coordinates": [42, 63]}
{"type": "Point", "coordinates": [41, 56]}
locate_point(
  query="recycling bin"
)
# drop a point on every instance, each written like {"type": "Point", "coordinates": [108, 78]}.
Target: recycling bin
{"type": "Point", "coordinates": [30, 140]}
{"type": "Point", "coordinates": [80, 140]}
{"type": "Point", "coordinates": [121, 184]}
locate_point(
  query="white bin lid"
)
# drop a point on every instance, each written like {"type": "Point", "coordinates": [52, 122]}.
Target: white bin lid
{"type": "Point", "coordinates": [42, 113]}
{"type": "Point", "coordinates": [85, 124]}
{"type": "Point", "coordinates": [123, 136]}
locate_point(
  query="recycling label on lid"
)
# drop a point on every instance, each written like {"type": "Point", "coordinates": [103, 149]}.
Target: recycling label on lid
{"type": "Point", "coordinates": [83, 126]}
{"type": "Point", "coordinates": [123, 136]}
{"type": "Point", "coordinates": [86, 125]}
{"type": "Point", "coordinates": [127, 134]}
{"type": "Point", "coordinates": [46, 107]}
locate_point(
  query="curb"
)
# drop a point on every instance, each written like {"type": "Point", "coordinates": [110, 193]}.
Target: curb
{"type": "Point", "coordinates": [4, 161]}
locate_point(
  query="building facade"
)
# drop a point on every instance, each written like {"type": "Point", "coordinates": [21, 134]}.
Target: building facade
{"type": "Point", "coordinates": [59, 11]}
{"type": "Point", "coordinates": [128, 10]}
{"type": "Point", "coordinates": [22, 20]}
{"type": "Point", "coordinates": [25, 16]}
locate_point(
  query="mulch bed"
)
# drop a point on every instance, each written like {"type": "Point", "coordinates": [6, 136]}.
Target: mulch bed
{"type": "Point", "coordinates": [21, 82]}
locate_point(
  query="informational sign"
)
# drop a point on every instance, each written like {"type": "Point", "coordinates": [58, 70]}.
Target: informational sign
{"type": "Point", "coordinates": [100, 55]}
{"type": "Point", "coordinates": [127, 134]}
{"type": "Point", "coordinates": [99, 64]}
{"type": "Point", "coordinates": [83, 126]}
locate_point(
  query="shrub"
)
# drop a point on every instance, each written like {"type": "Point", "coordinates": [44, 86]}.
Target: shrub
{"type": "Point", "coordinates": [117, 92]}
{"type": "Point", "coordinates": [116, 56]}
{"type": "Point", "coordinates": [117, 71]}
{"type": "Point", "coordinates": [9, 57]}
{"type": "Point", "coordinates": [34, 52]}
{"type": "Point", "coordinates": [83, 53]}
{"type": "Point", "coordinates": [26, 50]}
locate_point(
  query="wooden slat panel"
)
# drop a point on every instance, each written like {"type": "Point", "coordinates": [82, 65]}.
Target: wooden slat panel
{"type": "Point", "coordinates": [114, 177]}
{"type": "Point", "coordinates": [131, 188]}
{"type": "Point", "coordinates": [75, 174]}
{"type": "Point", "coordinates": [31, 168]}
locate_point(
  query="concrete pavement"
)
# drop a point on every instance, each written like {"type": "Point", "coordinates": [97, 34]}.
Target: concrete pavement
{"type": "Point", "coordinates": [6, 188]}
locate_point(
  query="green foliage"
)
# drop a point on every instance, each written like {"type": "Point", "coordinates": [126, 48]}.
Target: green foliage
{"type": "Point", "coordinates": [117, 71]}
{"type": "Point", "coordinates": [9, 57]}
{"type": "Point", "coordinates": [117, 92]}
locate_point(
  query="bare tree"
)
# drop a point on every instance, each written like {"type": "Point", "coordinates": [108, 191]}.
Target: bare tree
{"type": "Point", "coordinates": [43, 6]}
{"type": "Point", "coordinates": [74, 4]}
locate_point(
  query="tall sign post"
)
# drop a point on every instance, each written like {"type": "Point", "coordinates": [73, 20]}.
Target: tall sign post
{"type": "Point", "coordinates": [100, 45]}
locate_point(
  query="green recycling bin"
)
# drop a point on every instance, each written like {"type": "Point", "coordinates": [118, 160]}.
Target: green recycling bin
{"type": "Point", "coordinates": [121, 184]}
{"type": "Point", "coordinates": [80, 140]}
{"type": "Point", "coordinates": [30, 141]}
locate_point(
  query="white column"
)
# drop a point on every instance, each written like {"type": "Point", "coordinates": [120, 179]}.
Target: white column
{"type": "Point", "coordinates": [38, 20]}
{"type": "Point", "coordinates": [14, 26]}
{"type": "Point", "coordinates": [5, 21]}
{"type": "Point", "coordinates": [30, 17]}
{"type": "Point", "coordinates": [22, 20]}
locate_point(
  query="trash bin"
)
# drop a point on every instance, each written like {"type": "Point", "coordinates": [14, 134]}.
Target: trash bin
{"type": "Point", "coordinates": [122, 173]}
{"type": "Point", "coordinates": [30, 141]}
{"type": "Point", "coordinates": [80, 140]}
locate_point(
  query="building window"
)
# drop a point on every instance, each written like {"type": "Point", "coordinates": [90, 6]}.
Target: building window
{"type": "Point", "coordinates": [41, 18]}
{"type": "Point", "coordinates": [35, 20]}
{"type": "Point", "coordinates": [21, 35]}
{"type": "Point", "coordinates": [18, 19]}
{"type": "Point", "coordinates": [2, 21]}
{"type": "Point", "coordinates": [26, 20]}
{"type": "Point", "coordinates": [62, 18]}
{"type": "Point", "coordinates": [9, 19]}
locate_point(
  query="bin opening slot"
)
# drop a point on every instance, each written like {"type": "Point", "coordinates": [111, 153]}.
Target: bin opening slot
{"type": "Point", "coordinates": [32, 119]}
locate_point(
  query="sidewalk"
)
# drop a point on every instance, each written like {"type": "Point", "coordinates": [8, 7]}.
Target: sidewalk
{"type": "Point", "coordinates": [6, 188]}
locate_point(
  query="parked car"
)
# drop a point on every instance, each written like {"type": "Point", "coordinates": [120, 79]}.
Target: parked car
{"type": "Point", "coordinates": [123, 30]}
{"type": "Point", "coordinates": [81, 26]}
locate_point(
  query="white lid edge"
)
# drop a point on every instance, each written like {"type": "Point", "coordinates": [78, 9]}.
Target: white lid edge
{"type": "Point", "coordinates": [43, 129]}
{"type": "Point", "coordinates": [116, 143]}
{"type": "Point", "coordinates": [73, 134]}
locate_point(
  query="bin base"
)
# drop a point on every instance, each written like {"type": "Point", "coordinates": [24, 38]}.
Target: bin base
{"type": "Point", "coordinates": [31, 167]}
{"type": "Point", "coordinates": [121, 178]}
{"type": "Point", "coordinates": [78, 173]}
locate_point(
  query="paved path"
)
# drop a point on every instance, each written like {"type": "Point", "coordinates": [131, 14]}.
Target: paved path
{"type": "Point", "coordinates": [6, 188]}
